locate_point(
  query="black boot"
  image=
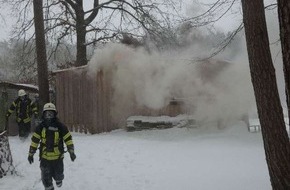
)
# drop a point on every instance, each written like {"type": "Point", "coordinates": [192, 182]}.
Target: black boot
{"type": "Point", "coordinates": [58, 183]}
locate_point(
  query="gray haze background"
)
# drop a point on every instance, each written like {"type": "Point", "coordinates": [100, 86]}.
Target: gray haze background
{"type": "Point", "coordinates": [239, 72]}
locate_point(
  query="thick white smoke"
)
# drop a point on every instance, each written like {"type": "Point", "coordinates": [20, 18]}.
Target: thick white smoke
{"type": "Point", "coordinates": [211, 91]}
{"type": "Point", "coordinates": [152, 79]}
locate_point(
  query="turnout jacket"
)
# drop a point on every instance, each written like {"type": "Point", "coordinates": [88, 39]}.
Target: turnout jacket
{"type": "Point", "coordinates": [24, 110]}
{"type": "Point", "coordinates": [51, 138]}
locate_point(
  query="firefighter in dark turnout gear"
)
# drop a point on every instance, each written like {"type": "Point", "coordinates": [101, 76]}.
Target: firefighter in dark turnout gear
{"type": "Point", "coordinates": [50, 136]}
{"type": "Point", "coordinates": [24, 109]}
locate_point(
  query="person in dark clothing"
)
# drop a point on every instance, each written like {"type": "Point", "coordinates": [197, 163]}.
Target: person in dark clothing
{"type": "Point", "coordinates": [37, 104]}
{"type": "Point", "coordinates": [50, 135]}
{"type": "Point", "coordinates": [36, 120]}
{"type": "Point", "coordinates": [24, 109]}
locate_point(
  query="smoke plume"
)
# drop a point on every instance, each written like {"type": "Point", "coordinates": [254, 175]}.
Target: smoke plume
{"type": "Point", "coordinates": [212, 90]}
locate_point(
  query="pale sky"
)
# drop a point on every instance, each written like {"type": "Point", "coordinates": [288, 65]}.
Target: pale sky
{"type": "Point", "coordinates": [229, 22]}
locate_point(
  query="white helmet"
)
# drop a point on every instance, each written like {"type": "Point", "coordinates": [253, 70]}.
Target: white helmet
{"type": "Point", "coordinates": [21, 92]}
{"type": "Point", "coordinates": [49, 106]}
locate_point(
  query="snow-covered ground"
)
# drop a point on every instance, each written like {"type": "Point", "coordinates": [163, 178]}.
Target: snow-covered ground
{"type": "Point", "coordinates": [172, 159]}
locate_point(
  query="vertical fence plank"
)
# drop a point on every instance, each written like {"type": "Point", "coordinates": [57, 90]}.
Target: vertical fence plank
{"type": "Point", "coordinates": [84, 102]}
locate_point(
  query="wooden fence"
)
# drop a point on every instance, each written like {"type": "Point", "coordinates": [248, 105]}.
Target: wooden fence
{"type": "Point", "coordinates": [84, 102]}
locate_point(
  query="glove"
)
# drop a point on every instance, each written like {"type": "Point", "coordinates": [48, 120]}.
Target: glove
{"type": "Point", "coordinates": [72, 156]}
{"type": "Point", "coordinates": [30, 158]}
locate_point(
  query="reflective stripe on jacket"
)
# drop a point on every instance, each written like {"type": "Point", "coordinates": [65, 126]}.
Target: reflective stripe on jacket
{"type": "Point", "coordinates": [50, 141]}
{"type": "Point", "coordinates": [24, 110]}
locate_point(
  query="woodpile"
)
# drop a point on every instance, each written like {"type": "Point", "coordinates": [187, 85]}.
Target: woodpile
{"type": "Point", "coordinates": [6, 165]}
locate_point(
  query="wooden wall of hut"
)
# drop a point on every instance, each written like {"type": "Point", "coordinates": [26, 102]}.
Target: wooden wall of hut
{"type": "Point", "coordinates": [84, 102]}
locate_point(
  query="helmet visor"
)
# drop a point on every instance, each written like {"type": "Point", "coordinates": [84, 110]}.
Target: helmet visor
{"type": "Point", "coordinates": [49, 114]}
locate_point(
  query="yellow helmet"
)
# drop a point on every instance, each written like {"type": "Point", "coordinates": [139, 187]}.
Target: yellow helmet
{"type": "Point", "coordinates": [21, 92]}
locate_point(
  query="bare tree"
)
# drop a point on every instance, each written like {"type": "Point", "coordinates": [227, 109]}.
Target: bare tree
{"type": "Point", "coordinates": [214, 12]}
{"type": "Point", "coordinates": [68, 20]}
{"type": "Point", "coordinates": [41, 52]}
{"type": "Point", "coordinates": [284, 23]}
{"type": "Point", "coordinates": [275, 137]}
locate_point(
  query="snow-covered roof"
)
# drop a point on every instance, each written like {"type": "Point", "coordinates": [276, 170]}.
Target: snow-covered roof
{"type": "Point", "coordinates": [69, 69]}
{"type": "Point", "coordinates": [29, 87]}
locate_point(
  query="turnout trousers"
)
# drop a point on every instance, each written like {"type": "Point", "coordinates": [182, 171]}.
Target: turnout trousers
{"type": "Point", "coordinates": [51, 169]}
{"type": "Point", "coordinates": [24, 129]}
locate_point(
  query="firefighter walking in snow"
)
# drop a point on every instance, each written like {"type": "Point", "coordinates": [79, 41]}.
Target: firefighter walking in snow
{"type": "Point", "coordinates": [24, 109]}
{"type": "Point", "coordinates": [51, 135]}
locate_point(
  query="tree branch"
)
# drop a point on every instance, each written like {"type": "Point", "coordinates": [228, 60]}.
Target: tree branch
{"type": "Point", "coordinates": [93, 14]}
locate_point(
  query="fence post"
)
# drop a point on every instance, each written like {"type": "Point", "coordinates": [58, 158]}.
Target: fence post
{"type": "Point", "coordinates": [3, 109]}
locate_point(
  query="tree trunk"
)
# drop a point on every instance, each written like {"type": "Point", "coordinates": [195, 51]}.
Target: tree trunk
{"type": "Point", "coordinates": [81, 36]}
{"type": "Point", "coordinates": [270, 112]}
{"type": "Point", "coordinates": [6, 164]}
{"type": "Point", "coordinates": [41, 52]}
{"type": "Point", "coordinates": [284, 23]}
